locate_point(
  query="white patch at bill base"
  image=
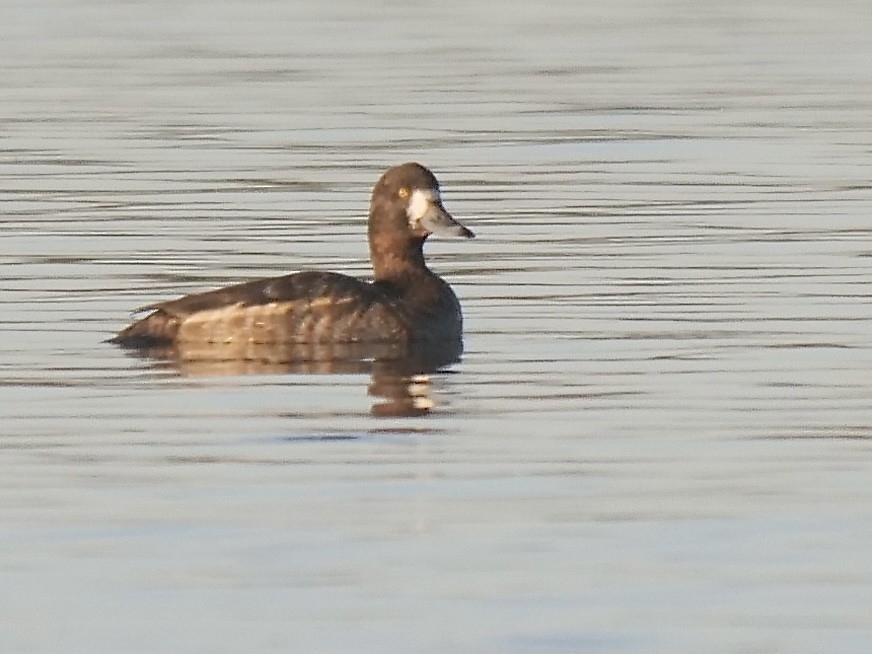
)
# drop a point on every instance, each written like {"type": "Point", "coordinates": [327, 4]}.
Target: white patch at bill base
{"type": "Point", "coordinates": [419, 204]}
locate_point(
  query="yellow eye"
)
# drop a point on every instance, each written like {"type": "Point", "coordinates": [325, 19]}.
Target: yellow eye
{"type": "Point", "coordinates": [403, 192]}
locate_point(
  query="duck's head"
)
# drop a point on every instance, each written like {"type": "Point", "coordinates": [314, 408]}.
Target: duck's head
{"type": "Point", "coordinates": [407, 204]}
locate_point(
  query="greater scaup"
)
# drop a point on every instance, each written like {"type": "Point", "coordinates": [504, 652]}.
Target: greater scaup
{"type": "Point", "coordinates": [405, 304]}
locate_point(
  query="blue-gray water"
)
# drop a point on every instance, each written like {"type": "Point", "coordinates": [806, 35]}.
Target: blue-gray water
{"type": "Point", "coordinates": [660, 436]}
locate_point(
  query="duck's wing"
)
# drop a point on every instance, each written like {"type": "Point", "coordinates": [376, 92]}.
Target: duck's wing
{"type": "Point", "coordinates": [303, 287]}
{"type": "Point", "coordinates": [304, 308]}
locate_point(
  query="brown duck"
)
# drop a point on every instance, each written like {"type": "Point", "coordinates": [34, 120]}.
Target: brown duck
{"type": "Point", "coordinates": [406, 304]}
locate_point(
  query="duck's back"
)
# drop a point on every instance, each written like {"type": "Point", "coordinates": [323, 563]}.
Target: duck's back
{"type": "Point", "coordinates": [307, 307]}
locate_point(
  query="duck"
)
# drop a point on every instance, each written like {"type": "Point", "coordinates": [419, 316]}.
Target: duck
{"type": "Point", "coordinates": [406, 304]}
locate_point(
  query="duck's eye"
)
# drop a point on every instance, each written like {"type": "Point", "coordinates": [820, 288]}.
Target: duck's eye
{"type": "Point", "coordinates": [403, 192]}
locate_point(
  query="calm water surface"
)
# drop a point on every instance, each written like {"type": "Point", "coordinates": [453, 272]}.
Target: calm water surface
{"type": "Point", "coordinates": [660, 436]}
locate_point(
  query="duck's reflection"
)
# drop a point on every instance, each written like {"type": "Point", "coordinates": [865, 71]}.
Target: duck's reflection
{"type": "Point", "coordinates": [399, 374]}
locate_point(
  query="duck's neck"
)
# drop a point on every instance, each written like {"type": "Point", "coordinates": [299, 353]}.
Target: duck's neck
{"type": "Point", "coordinates": [397, 259]}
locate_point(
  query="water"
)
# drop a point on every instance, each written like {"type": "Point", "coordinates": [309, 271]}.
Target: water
{"type": "Point", "coordinates": [658, 439]}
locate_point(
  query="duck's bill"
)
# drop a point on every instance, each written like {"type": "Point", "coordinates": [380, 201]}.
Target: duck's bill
{"type": "Point", "coordinates": [438, 221]}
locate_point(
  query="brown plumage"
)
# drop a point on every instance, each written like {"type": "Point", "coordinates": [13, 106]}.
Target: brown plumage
{"type": "Point", "coordinates": [405, 304]}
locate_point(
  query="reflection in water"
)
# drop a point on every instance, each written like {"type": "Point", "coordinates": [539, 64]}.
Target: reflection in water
{"type": "Point", "coordinates": [398, 373]}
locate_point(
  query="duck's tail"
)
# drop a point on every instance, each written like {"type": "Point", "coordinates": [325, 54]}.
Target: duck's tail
{"type": "Point", "coordinates": [156, 329]}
